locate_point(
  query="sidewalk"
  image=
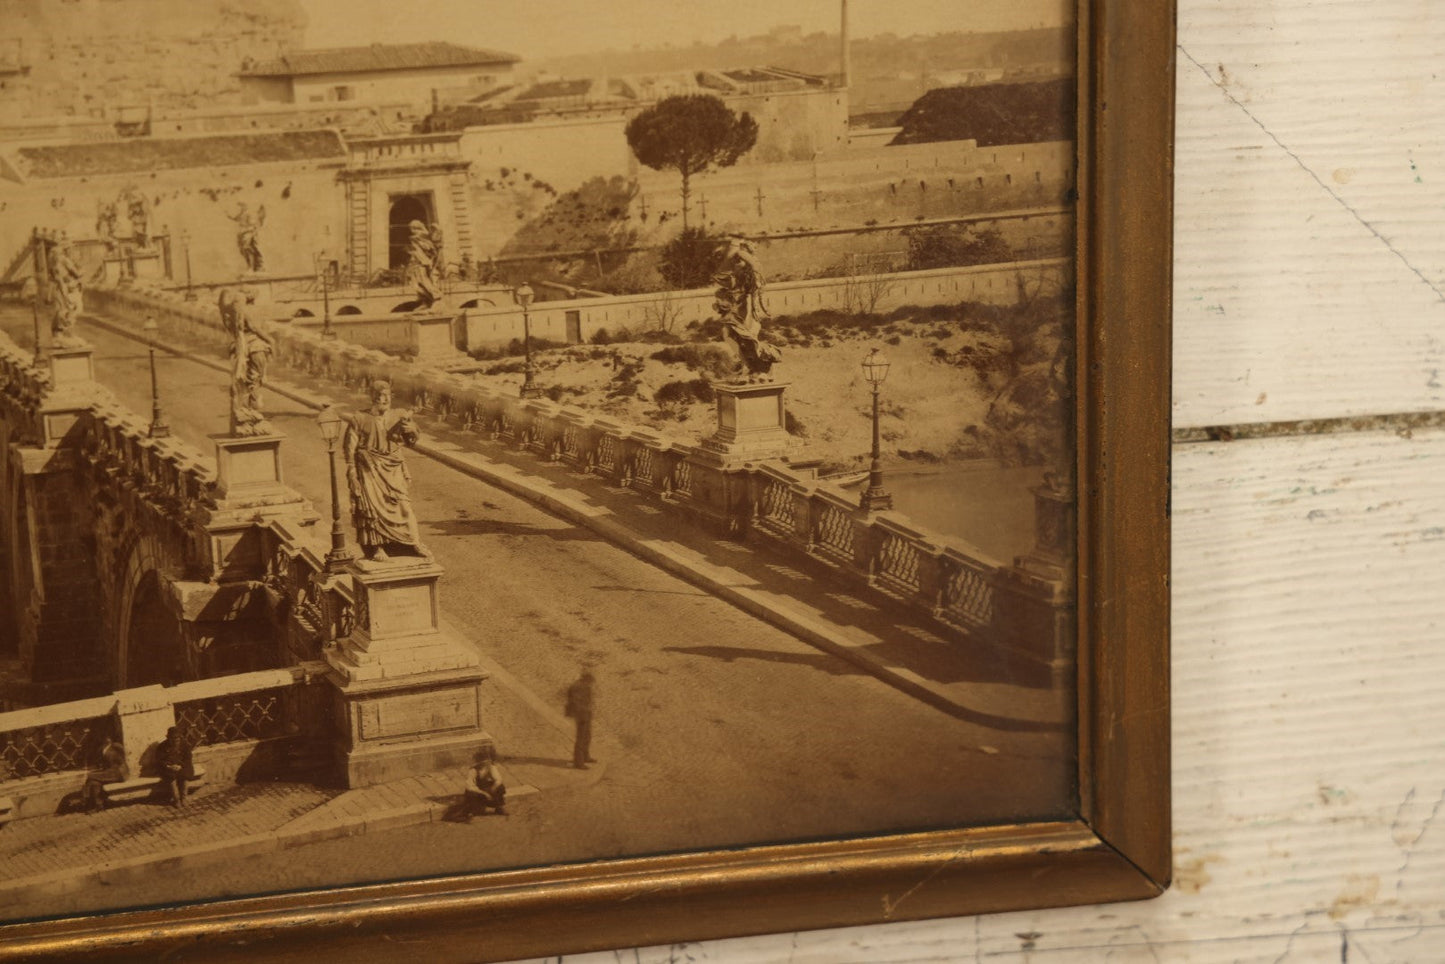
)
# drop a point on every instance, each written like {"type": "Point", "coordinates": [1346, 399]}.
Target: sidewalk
{"type": "Point", "coordinates": [45, 857]}
{"type": "Point", "coordinates": [54, 855]}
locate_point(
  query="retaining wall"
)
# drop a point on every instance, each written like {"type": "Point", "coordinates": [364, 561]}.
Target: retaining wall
{"type": "Point", "coordinates": [995, 284]}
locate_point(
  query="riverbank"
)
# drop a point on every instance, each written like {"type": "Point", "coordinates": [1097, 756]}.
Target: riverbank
{"type": "Point", "coordinates": [951, 395]}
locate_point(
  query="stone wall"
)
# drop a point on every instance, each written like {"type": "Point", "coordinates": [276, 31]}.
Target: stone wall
{"type": "Point", "coordinates": [994, 284]}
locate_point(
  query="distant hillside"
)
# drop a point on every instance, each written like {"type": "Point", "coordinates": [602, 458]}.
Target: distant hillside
{"type": "Point", "coordinates": [992, 114]}
{"type": "Point", "coordinates": [888, 71]}
{"type": "Point", "coordinates": [89, 55]}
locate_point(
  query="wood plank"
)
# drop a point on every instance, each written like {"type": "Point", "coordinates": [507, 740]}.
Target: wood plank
{"type": "Point", "coordinates": [1309, 261]}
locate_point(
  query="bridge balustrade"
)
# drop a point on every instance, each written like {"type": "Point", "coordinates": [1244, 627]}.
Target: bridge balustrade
{"type": "Point", "coordinates": [241, 726]}
{"type": "Point", "coordinates": [33, 746]}
{"type": "Point", "coordinates": [233, 717]}
{"type": "Point", "coordinates": [945, 578]}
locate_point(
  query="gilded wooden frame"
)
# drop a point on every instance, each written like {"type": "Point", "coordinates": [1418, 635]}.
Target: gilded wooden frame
{"type": "Point", "coordinates": [1118, 846]}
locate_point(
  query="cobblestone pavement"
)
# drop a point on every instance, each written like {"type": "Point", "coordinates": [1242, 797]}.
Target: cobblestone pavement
{"type": "Point", "coordinates": [47, 845]}
{"type": "Point", "coordinates": [716, 727]}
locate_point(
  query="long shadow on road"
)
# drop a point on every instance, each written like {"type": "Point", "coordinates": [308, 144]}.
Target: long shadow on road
{"type": "Point", "coordinates": [832, 665]}
{"type": "Point", "coordinates": [497, 527]}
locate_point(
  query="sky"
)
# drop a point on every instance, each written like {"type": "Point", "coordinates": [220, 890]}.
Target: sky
{"type": "Point", "coordinates": [535, 29]}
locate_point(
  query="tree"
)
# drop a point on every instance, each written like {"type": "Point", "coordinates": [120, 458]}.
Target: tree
{"type": "Point", "coordinates": [690, 134]}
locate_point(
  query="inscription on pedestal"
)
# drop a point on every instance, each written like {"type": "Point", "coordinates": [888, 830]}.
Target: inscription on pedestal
{"type": "Point", "coordinates": [760, 414]}
{"type": "Point", "coordinates": [398, 609]}
{"type": "Point", "coordinates": [417, 714]}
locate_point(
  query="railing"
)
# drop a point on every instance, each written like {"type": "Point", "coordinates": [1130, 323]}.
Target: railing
{"type": "Point", "coordinates": [66, 737]}
{"type": "Point", "coordinates": [32, 751]}
{"type": "Point", "coordinates": [233, 717]}
{"type": "Point", "coordinates": [945, 578]}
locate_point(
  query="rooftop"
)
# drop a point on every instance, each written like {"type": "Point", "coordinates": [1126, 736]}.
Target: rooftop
{"type": "Point", "coordinates": [642, 88]}
{"type": "Point", "coordinates": [138, 155]}
{"type": "Point", "coordinates": [377, 57]}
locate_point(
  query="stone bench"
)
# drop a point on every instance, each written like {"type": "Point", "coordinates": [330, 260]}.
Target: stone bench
{"type": "Point", "coordinates": [141, 788]}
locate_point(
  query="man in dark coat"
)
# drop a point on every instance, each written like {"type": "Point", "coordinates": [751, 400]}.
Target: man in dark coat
{"type": "Point", "coordinates": [581, 697]}
{"type": "Point", "coordinates": [174, 758]}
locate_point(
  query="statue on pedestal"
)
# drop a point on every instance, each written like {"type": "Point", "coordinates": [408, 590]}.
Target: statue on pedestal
{"type": "Point", "coordinates": [66, 291]}
{"type": "Point", "coordinates": [421, 262]}
{"type": "Point", "coordinates": [439, 256]}
{"type": "Point", "coordinates": [139, 211]}
{"type": "Point", "coordinates": [107, 221]}
{"type": "Point", "coordinates": [377, 477]}
{"type": "Point", "coordinates": [739, 304]}
{"type": "Point", "coordinates": [248, 228]}
{"type": "Point", "coordinates": [251, 350]}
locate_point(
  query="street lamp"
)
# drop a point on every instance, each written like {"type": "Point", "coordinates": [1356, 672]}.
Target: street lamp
{"type": "Point", "coordinates": [874, 498]}
{"type": "Point", "coordinates": [326, 329]}
{"type": "Point", "coordinates": [330, 423]}
{"type": "Point", "coordinates": [186, 241]}
{"type": "Point", "coordinates": [523, 297]}
{"type": "Point", "coordinates": [159, 428]}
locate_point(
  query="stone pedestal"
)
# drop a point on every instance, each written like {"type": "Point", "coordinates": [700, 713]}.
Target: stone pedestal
{"type": "Point", "coordinates": [248, 489]}
{"type": "Point", "coordinates": [751, 424]}
{"type": "Point", "coordinates": [1054, 522]}
{"type": "Point", "coordinates": [408, 693]}
{"type": "Point", "coordinates": [71, 365]}
{"type": "Point", "coordinates": [248, 467]}
{"type": "Point", "coordinates": [431, 339]}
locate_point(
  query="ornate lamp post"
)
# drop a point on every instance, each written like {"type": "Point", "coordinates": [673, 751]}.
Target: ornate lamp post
{"type": "Point", "coordinates": [186, 240]}
{"type": "Point", "coordinates": [340, 554]}
{"type": "Point", "coordinates": [159, 428]}
{"type": "Point", "coordinates": [874, 498]}
{"type": "Point", "coordinates": [326, 329]}
{"type": "Point", "coordinates": [523, 296]}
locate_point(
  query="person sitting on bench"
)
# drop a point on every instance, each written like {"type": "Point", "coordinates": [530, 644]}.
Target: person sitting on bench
{"type": "Point", "coordinates": [174, 758]}
{"type": "Point", "coordinates": [113, 769]}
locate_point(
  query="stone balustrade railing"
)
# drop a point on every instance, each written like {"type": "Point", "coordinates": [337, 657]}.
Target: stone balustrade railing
{"type": "Point", "coordinates": [22, 384]}
{"type": "Point", "coordinates": [45, 751]}
{"type": "Point", "coordinates": [945, 578]}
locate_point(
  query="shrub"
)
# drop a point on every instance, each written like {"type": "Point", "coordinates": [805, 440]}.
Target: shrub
{"type": "Point", "coordinates": [947, 246]}
{"type": "Point", "coordinates": [684, 392]}
{"type": "Point", "coordinates": [690, 259]}
{"type": "Point", "coordinates": [714, 360]}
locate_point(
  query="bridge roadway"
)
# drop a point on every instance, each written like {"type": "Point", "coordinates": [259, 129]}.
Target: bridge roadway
{"type": "Point", "coordinates": [714, 727]}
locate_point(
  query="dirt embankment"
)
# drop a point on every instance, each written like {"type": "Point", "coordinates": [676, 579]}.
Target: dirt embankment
{"type": "Point", "coordinates": [965, 382]}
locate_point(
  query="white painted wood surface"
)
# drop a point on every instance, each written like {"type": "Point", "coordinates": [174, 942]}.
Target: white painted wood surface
{"type": "Point", "coordinates": [1309, 573]}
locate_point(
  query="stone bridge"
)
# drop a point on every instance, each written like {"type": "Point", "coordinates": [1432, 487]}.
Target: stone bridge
{"type": "Point", "coordinates": [133, 563]}
{"type": "Point", "coordinates": [1021, 609]}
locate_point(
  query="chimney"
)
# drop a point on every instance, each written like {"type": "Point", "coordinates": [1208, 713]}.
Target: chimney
{"type": "Point", "coordinates": [847, 70]}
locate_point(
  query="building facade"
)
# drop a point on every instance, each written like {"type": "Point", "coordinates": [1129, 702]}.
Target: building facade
{"type": "Point", "coordinates": [380, 73]}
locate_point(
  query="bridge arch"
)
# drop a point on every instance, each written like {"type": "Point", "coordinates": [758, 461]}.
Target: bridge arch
{"type": "Point", "coordinates": [150, 646]}
{"type": "Point", "coordinates": [16, 576]}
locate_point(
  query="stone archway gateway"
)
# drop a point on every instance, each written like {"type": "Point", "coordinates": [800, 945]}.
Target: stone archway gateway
{"type": "Point", "coordinates": [406, 208]}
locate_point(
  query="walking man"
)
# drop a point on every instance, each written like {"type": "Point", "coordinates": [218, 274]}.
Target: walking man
{"type": "Point", "coordinates": [581, 697]}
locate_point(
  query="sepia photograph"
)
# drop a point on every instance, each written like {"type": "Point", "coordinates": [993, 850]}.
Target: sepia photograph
{"type": "Point", "coordinates": [449, 438]}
